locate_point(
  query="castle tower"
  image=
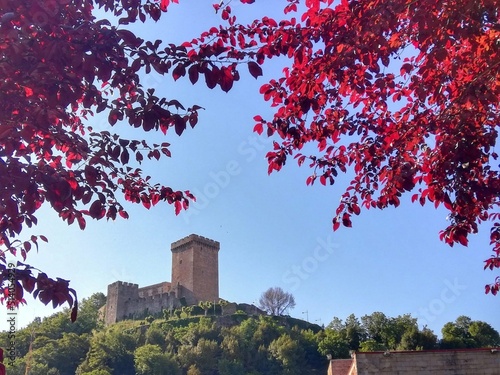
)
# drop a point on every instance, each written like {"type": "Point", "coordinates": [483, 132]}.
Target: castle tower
{"type": "Point", "coordinates": [195, 269]}
{"type": "Point", "coordinates": [120, 295]}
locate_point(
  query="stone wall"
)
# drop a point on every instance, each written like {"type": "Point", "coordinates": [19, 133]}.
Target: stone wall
{"type": "Point", "coordinates": [155, 289]}
{"type": "Point", "coordinates": [127, 300]}
{"type": "Point", "coordinates": [438, 362]}
{"type": "Point", "coordinates": [142, 307]}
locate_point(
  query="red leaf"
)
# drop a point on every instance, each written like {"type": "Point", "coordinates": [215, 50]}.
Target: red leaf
{"type": "Point", "coordinates": [74, 312]}
{"type": "Point", "coordinates": [97, 210]}
{"type": "Point", "coordinates": [123, 214]}
{"type": "Point", "coordinates": [254, 69]}
{"type": "Point", "coordinates": [258, 128]}
{"type": "Point", "coordinates": [146, 202]}
{"type": "Point", "coordinates": [178, 207]}
{"type": "Point", "coordinates": [180, 125]}
{"type": "Point", "coordinates": [179, 71]}
{"type": "Point", "coordinates": [336, 224]}
{"type": "Point", "coordinates": [28, 91]}
{"type": "Point", "coordinates": [124, 157]}
{"type": "Point", "coordinates": [346, 220]}
{"type": "Point", "coordinates": [113, 116]}
{"type": "Point", "coordinates": [81, 222]}
{"type": "Point", "coordinates": [193, 74]}
{"type": "Point", "coordinates": [212, 77]}
{"type": "Point", "coordinates": [355, 208]}
{"type": "Point", "coordinates": [164, 5]}
{"type": "Point", "coordinates": [226, 79]}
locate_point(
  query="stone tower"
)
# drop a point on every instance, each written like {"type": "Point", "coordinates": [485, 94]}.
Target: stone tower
{"type": "Point", "coordinates": [119, 295]}
{"type": "Point", "coordinates": [195, 269]}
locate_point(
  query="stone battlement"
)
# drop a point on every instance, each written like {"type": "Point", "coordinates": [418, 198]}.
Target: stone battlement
{"type": "Point", "coordinates": [186, 241]}
{"type": "Point", "coordinates": [124, 284]}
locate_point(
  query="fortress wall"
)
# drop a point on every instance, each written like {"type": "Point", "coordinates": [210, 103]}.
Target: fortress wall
{"type": "Point", "coordinates": [148, 305]}
{"type": "Point", "coordinates": [155, 289]}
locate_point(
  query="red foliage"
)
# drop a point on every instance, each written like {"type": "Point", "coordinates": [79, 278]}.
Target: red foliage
{"type": "Point", "coordinates": [58, 66]}
{"type": "Point", "coordinates": [405, 93]}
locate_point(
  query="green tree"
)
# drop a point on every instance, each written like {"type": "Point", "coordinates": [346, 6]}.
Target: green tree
{"type": "Point", "coordinates": [204, 355]}
{"type": "Point", "coordinates": [334, 343]}
{"type": "Point", "coordinates": [155, 336]}
{"type": "Point", "coordinates": [372, 346]}
{"type": "Point", "coordinates": [484, 334]}
{"type": "Point", "coordinates": [112, 351]}
{"type": "Point", "coordinates": [151, 360]}
{"type": "Point", "coordinates": [428, 340]}
{"type": "Point", "coordinates": [466, 333]}
{"type": "Point", "coordinates": [65, 354]}
{"type": "Point", "coordinates": [456, 334]}
{"type": "Point", "coordinates": [230, 367]}
{"type": "Point", "coordinates": [98, 372]}
{"type": "Point", "coordinates": [354, 332]}
{"type": "Point", "coordinates": [377, 326]}
{"type": "Point", "coordinates": [289, 354]}
{"type": "Point", "coordinates": [193, 370]}
{"type": "Point", "coordinates": [402, 325]}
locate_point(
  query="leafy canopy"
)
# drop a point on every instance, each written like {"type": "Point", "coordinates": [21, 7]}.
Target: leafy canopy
{"type": "Point", "coordinates": [403, 93]}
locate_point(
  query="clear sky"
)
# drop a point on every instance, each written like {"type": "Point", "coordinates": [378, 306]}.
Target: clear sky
{"type": "Point", "coordinates": [273, 230]}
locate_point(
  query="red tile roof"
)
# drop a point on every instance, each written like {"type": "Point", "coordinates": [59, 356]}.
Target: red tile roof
{"type": "Point", "coordinates": [340, 366]}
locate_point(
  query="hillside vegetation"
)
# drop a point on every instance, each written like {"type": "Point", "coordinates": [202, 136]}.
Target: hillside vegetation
{"type": "Point", "coordinates": [195, 340]}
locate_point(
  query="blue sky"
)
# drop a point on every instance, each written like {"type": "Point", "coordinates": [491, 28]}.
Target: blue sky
{"type": "Point", "coordinates": [273, 230]}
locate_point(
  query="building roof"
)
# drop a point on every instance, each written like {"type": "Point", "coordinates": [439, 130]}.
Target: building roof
{"type": "Point", "coordinates": [340, 366]}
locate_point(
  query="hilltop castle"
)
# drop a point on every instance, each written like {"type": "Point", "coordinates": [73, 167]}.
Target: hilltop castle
{"type": "Point", "coordinates": [195, 278]}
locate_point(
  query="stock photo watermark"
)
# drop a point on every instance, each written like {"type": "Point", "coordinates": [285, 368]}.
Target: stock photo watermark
{"type": "Point", "coordinates": [12, 312]}
{"type": "Point", "coordinates": [220, 180]}
{"type": "Point", "coordinates": [449, 294]}
{"type": "Point", "coordinates": [298, 273]}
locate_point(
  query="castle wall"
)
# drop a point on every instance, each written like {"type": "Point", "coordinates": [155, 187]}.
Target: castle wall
{"type": "Point", "coordinates": [141, 307]}
{"type": "Point", "coordinates": [155, 289]}
{"type": "Point", "coordinates": [127, 300]}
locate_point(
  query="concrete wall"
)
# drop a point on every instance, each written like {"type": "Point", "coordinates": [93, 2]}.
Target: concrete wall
{"type": "Point", "coordinates": [439, 362]}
